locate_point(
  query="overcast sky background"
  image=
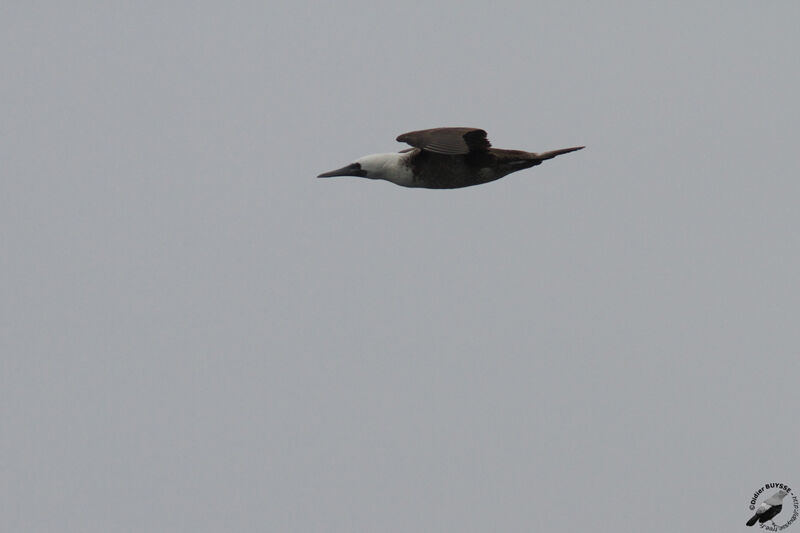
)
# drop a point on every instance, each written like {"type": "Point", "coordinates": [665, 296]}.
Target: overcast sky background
{"type": "Point", "coordinates": [199, 335]}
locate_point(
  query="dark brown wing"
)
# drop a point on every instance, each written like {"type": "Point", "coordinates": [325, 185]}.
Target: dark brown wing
{"type": "Point", "coordinates": [447, 141]}
{"type": "Point", "coordinates": [770, 513]}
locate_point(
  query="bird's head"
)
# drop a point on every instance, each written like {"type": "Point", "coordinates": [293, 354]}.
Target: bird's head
{"type": "Point", "coordinates": [353, 169]}
{"type": "Point", "coordinates": [370, 166]}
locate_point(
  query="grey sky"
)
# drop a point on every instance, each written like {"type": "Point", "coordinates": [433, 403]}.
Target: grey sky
{"type": "Point", "coordinates": [198, 335]}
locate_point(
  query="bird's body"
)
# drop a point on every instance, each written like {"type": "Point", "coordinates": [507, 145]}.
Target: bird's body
{"type": "Point", "coordinates": [445, 158]}
{"type": "Point", "coordinates": [769, 509]}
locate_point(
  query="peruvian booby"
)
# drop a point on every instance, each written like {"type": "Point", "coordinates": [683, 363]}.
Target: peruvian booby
{"type": "Point", "coordinates": [769, 508]}
{"type": "Point", "coordinates": [444, 158]}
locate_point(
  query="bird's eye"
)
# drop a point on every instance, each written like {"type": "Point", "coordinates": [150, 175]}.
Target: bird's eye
{"type": "Point", "coordinates": [356, 170]}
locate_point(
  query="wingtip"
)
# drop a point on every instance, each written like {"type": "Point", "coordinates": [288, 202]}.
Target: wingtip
{"type": "Point", "coordinates": [568, 150]}
{"type": "Point", "coordinates": [554, 153]}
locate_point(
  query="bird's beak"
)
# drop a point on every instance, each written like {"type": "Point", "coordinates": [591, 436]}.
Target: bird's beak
{"type": "Point", "coordinates": [353, 169]}
{"type": "Point", "coordinates": [344, 171]}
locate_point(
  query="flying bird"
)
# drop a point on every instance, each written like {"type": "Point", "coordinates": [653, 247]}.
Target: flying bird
{"type": "Point", "coordinates": [444, 158]}
{"type": "Point", "coordinates": [769, 508]}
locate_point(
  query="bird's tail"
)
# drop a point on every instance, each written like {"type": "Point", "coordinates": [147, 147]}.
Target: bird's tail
{"type": "Point", "coordinates": [551, 155]}
{"type": "Point", "coordinates": [753, 520]}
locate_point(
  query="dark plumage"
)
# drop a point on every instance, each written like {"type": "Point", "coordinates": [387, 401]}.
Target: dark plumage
{"type": "Point", "coordinates": [769, 514]}
{"type": "Point", "coordinates": [445, 158]}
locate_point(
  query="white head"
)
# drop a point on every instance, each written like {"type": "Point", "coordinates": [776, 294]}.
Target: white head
{"type": "Point", "coordinates": [780, 494]}
{"type": "Point", "coordinates": [390, 167]}
{"type": "Point", "coordinates": [775, 499]}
